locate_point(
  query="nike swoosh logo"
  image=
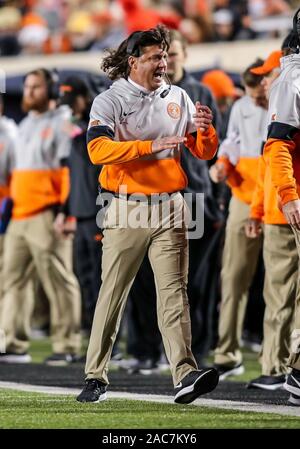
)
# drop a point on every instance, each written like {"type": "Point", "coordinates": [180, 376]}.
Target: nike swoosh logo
{"type": "Point", "coordinates": [128, 113]}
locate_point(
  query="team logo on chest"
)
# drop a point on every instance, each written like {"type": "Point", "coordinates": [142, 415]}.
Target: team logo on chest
{"type": "Point", "coordinates": [174, 110]}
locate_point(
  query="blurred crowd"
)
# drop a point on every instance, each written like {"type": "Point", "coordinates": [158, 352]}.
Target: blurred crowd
{"type": "Point", "coordinates": [62, 26]}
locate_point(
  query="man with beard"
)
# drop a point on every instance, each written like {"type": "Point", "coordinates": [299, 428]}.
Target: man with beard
{"type": "Point", "coordinates": [39, 190]}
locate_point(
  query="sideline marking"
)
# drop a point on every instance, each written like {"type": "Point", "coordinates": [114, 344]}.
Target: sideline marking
{"type": "Point", "coordinates": [213, 403]}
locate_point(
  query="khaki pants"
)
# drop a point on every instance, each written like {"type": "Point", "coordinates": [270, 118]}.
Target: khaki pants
{"type": "Point", "coordinates": [280, 294]}
{"type": "Point", "coordinates": [294, 360]}
{"type": "Point", "coordinates": [124, 248]}
{"type": "Point", "coordinates": [33, 239]}
{"type": "Point", "coordinates": [25, 311]}
{"type": "Point", "coordinates": [240, 256]}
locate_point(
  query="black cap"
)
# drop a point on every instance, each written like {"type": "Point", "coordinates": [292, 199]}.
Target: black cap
{"type": "Point", "coordinates": [71, 88]}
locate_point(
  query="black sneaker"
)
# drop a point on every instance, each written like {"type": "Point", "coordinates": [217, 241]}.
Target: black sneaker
{"type": "Point", "coordinates": [267, 382]}
{"type": "Point", "coordinates": [13, 357]}
{"type": "Point", "coordinates": [226, 371]}
{"type": "Point", "coordinates": [194, 384]}
{"type": "Point", "coordinates": [292, 383]}
{"type": "Point", "coordinates": [294, 400]}
{"type": "Point", "coordinates": [94, 391]}
{"type": "Point", "coordinates": [59, 359]}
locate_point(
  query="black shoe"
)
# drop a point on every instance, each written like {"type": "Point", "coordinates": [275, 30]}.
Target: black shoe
{"type": "Point", "coordinates": [59, 359]}
{"type": "Point", "coordinates": [94, 391]}
{"type": "Point", "coordinates": [292, 383]}
{"type": "Point", "coordinates": [13, 357]}
{"type": "Point", "coordinates": [267, 382]}
{"type": "Point", "coordinates": [226, 371]}
{"type": "Point", "coordinates": [294, 400]}
{"type": "Point", "coordinates": [194, 384]}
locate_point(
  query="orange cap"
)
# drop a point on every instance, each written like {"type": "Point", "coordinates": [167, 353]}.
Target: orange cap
{"type": "Point", "coordinates": [220, 83]}
{"type": "Point", "coordinates": [271, 63]}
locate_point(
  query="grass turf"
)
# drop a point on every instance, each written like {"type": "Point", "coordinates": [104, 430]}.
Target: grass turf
{"type": "Point", "coordinates": [23, 410]}
{"type": "Point", "coordinates": [40, 349]}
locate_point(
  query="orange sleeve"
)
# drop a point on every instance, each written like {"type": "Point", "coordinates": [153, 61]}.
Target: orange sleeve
{"type": "Point", "coordinates": [65, 184]}
{"type": "Point", "coordinates": [103, 150]}
{"type": "Point", "coordinates": [257, 204]}
{"type": "Point", "coordinates": [205, 145]}
{"type": "Point", "coordinates": [234, 179]}
{"type": "Point", "coordinates": [281, 165]}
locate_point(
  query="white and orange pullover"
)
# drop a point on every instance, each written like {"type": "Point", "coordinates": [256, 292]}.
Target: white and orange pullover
{"type": "Point", "coordinates": [40, 178]}
{"type": "Point", "coordinates": [282, 148]}
{"type": "Point", "coordinates": [8, 140]}
{"type": "Point", "coordinates": [240, 151]}
{"type": "Point", "coordinates": [125, 120]}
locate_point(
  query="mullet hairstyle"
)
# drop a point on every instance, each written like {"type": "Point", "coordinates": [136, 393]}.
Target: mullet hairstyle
{"type": "Point", "coordinates": [115, 65]}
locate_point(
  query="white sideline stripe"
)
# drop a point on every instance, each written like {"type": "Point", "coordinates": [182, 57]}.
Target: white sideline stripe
{"type": "Point", "coordinates": [216, 403]}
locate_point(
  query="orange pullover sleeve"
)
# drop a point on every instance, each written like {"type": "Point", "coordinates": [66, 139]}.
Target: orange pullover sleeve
{"type": "Point", "coordinates": [204, 145]}
{"type": "Point", "coordinates": [281, 165]}
{"type": "Point", "coordinates": [257, 204]}
{"type": "Point", "coordinates": [103, 150]}
{"type": "Point", "coordinates": [234, 179]}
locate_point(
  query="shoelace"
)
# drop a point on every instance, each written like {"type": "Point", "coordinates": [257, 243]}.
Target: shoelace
{"type": "Point", "coordinates": [91, 384]}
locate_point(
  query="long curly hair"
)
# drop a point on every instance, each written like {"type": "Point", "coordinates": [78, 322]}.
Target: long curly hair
{"type": "Point", "coordinates": [115, 64]}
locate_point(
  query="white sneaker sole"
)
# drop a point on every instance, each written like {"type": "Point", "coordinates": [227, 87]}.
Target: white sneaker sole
{"type": "Point", "coordinates": [233, 372]}
{"type": "Point", "coordinates": [294, 400]}
{"type": "Point", "coordinates": [12, 358]}
{"type": "Point", "coordinates": [267, 387]}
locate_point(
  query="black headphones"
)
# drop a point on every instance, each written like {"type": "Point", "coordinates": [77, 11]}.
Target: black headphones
{"type": "Point", "coordinates": [52, 79]}
{"type": "Point", "coordinates": [296, 27]}
{"type": "Point", "coordinates": [132, 48]}
{"type": "Point", "coordinates": [168, 89]}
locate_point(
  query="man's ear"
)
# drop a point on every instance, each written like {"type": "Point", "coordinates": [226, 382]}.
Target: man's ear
{"type": "Point", "coordinates": [131, 61]}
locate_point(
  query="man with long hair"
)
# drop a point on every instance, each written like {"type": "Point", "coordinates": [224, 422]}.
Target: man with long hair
{"type": "Point", "coordinates": [135, 131]}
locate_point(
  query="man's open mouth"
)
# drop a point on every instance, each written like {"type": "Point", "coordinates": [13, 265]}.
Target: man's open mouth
{"type": "Point", "coordinates": [158, 76]}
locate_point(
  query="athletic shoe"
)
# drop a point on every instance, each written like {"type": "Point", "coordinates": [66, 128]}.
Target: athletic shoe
{"type": "Point", "coordinates": [94, 391]}
{"type": "Point", "coordinates": [267, 382]}
{"type": "Point", "coordinates": [226, 371]}
{"type": "Point", "coordinates": [194, 384]}
{"type": "Point", "coordinates": [144, 366]}
{"type": "Point", "coordinates": [13, 357]}
{"type": "Point", "coordinates": [294, 400]}
{"type": "Point", "coordinates": [292, 383]}
{"type": "Point", "coordinates": [59, 359]}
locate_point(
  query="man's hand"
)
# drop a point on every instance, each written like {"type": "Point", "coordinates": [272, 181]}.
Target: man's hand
{"type": "Point", "coordinates": [203, 117]}
{"type": "Point", "coordinates": [64, 227]}
{"type": "Point", "coordinates": [166, 143]}
{"type": "Point", "coordinates": [217, 172]}
{"type": "Point", "coordinates": [291, 211]}
{"type": "Point", "coordinates": [59, 223]}
{"type": "Point", "coordinates": [253, 228]}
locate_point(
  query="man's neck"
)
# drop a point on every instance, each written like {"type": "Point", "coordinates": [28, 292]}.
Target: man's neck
{"type": "Point", "coordinates": [139, 86]}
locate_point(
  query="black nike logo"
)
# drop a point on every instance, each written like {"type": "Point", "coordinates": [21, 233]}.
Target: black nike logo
{"type": "Point", "coordinates": [128, 113]}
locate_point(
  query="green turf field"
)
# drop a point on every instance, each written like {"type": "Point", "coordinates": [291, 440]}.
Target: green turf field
{"type": "Point", "coordinates": [26, 410]}
{"type": "Point", "coordinates": [40, 349]}
{"type": "Point", "coordinates": [20, 410]}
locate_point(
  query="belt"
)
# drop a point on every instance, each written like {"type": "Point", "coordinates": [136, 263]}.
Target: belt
{"type": "Point", "coordinates": [154, 198]}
